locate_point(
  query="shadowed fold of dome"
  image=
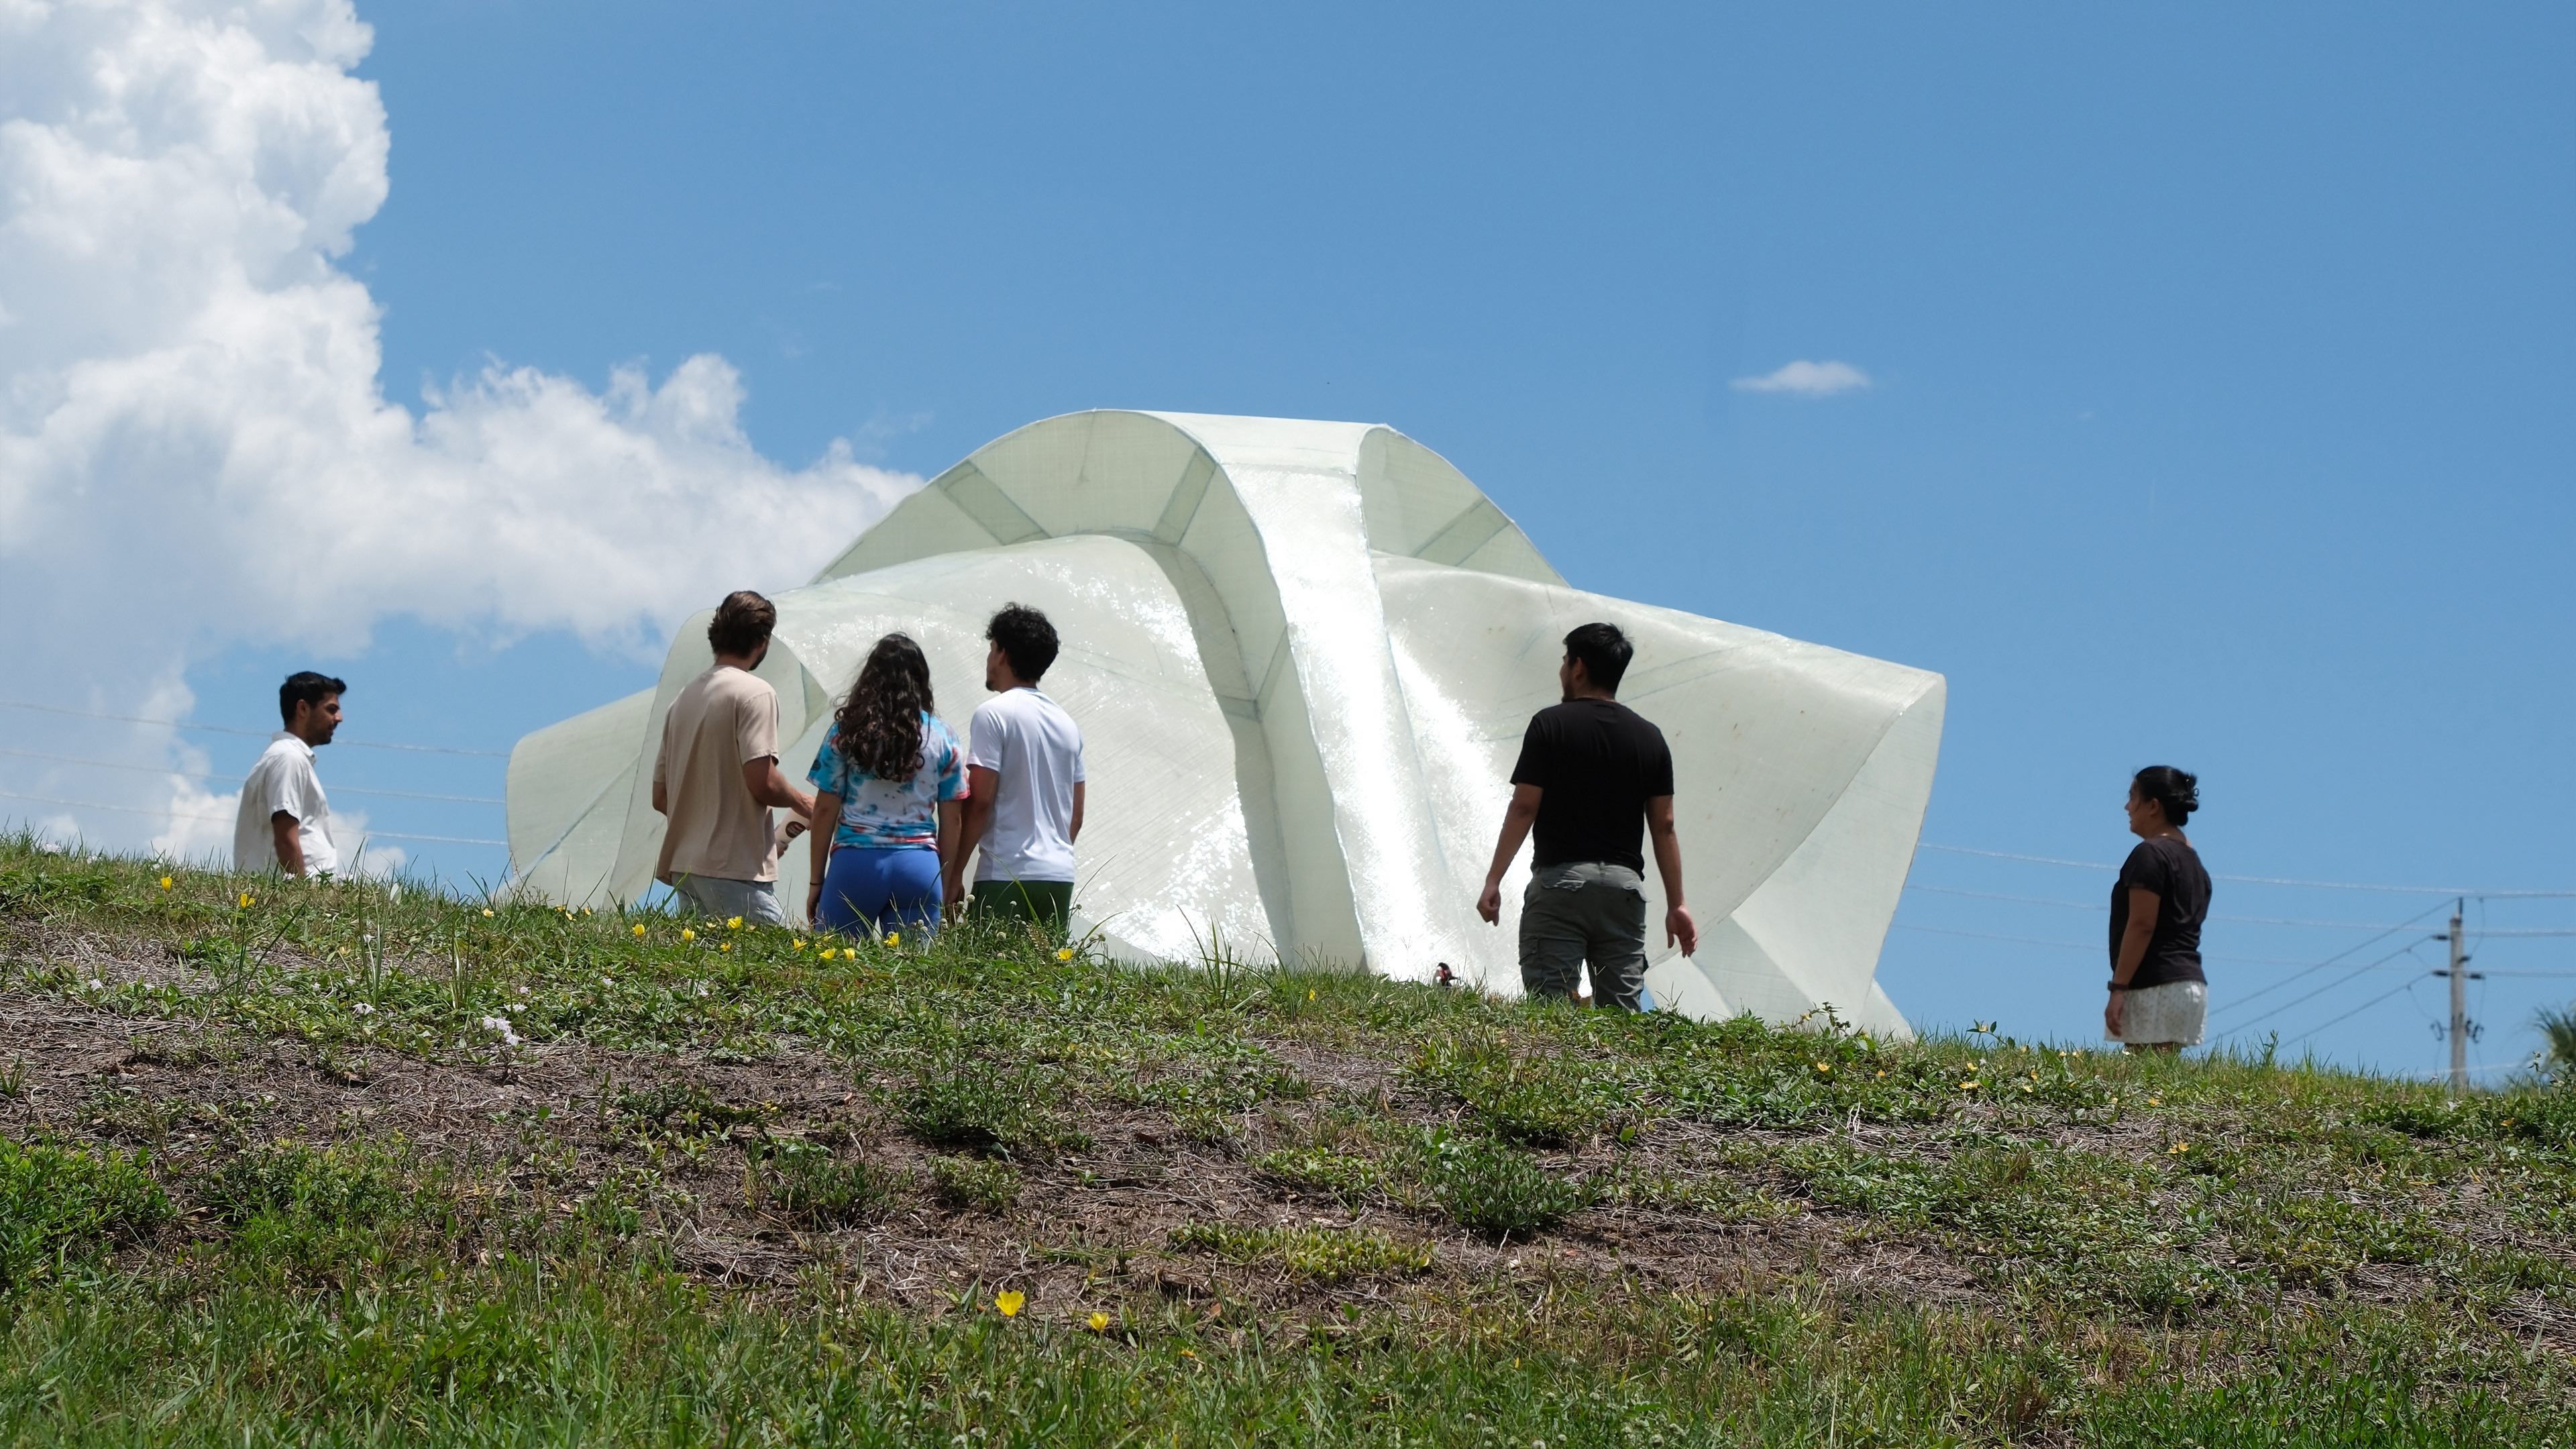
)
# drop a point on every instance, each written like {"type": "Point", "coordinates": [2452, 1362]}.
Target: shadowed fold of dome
{"type": "Point", "coordinates": [1302, 655]}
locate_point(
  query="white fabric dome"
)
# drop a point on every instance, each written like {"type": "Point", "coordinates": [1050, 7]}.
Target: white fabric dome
{"type": "Point", "coordinates": [1302, 655]}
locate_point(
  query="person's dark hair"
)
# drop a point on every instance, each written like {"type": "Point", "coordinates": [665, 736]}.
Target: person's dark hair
{"type": "Point", "coordinates": [308, 687]}
{"type": "Point", "coordinates": [742, 623]}
{"type": "Point", "coordinates": [880, 721]}
{"type": "Point", "coordinates": [1027, 640]}
{"type": "Point", "coordinates": [1604, 653]}
{"type": "Point", "coordinates": [2176, 790]}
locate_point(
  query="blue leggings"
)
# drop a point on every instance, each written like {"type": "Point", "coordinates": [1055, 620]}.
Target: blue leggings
{"type": "Point", "coordinates": [868, 892]}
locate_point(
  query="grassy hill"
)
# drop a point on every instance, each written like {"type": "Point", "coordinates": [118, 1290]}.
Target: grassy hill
{"type": "Point", "coordinates": [340, 1164]}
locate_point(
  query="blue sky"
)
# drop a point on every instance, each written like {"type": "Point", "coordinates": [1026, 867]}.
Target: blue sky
{"type": "Point", "coordinates": [2220, 377]}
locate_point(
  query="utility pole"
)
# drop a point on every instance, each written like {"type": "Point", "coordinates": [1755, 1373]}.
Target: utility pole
{"type": "Point", "coordinates": [2459, 975]}
{"type": "Point", "coordinates": [2459, 1007]}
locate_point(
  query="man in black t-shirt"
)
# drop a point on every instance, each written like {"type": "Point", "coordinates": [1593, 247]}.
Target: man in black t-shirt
{"type": "Point", "coordinates": [1593, 779]}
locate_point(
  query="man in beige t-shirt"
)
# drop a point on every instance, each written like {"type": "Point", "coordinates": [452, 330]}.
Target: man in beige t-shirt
{"type": "Point", "coordinates": [716, 776]}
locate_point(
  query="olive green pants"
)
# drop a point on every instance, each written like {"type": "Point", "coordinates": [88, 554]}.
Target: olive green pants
{"type": "Point", "coordinates": [1047, 903]}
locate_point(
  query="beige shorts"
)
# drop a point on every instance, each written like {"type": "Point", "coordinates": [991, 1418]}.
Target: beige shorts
{"type": "Point", "coordinates": [2171, 1013]}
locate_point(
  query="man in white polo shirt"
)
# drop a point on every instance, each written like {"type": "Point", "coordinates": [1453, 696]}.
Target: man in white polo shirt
{"type": "Point", "coordinates": [1023, 783]}
{"type": "Point", "coordinates": [285, 822]}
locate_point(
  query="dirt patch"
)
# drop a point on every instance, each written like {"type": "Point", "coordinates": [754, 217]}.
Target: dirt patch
{"type": "Point", "coordinates": [1090, 1230]}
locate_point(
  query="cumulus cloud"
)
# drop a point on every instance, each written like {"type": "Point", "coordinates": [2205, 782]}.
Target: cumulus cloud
{"type": "Point", "coordinates": [1807, 379]}
{"type": "Point", "coordinates": [195, 448]}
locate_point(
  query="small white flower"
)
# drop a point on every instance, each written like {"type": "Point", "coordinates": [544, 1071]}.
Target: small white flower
{"type": "Point", "coordinates": [607, 981]}
{"type": "Point", "coordinates": [97, 985]}
{"type": "Point", "coordinates": [363, 1009]}
{"type": "Point", "coordinates": [523, 991]}
{"type": "Point", "coordinates": [513, 1006]}
{"type": "Point", "coordinates": [500, 1027]}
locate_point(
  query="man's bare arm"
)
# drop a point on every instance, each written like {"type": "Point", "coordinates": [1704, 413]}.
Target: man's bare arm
{"type": "Point", "coordinates": [768, 785]}
{"type": "Point", "coordinates": [286, 831]}
{"type": "Point", "coordinates": [1518, 817]}
{"type": "Point", "coordinates": [1678, 925]}
{"type": "Point", "coordinates": [982, 784]}
{"type": "Point", "coordinates": [1073, 831]}
{"type": "Point", "coordinates": [661, 798]}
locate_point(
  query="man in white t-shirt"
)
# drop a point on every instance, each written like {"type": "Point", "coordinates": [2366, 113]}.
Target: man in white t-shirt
{"type": "Point", "coordinates": [285, 822]}
{"type": "Point", "coordinates": [1023, 783]}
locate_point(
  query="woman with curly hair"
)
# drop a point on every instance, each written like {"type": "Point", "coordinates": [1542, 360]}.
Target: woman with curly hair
{"type": "Point", "coordinates": [891, 779]}
{"type": "Point", "coordinates": [2159, 998]}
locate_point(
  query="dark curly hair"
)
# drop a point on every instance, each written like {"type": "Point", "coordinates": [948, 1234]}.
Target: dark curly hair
{"type": "Point", "coordinates": [880, 721]}
{"type": "Point", "coordinates": [2176, 790]}
{"type": "Point", "coordinates": [1027, 640]}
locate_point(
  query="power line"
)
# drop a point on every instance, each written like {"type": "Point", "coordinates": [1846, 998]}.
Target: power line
{"type": "Point", "coordinates": [2328, 885]}
{"type": "Point", "coordinates": [2097, 908]}
{"type": "Point", "coordinates": [2350, 975]}
{"type": "Point", "coordinates": [237, 779]}
{"type": "Point", "coordinates": [2094, 948]}
{"type": "Point", "coordinates": [2352, 949]}
{"type": "Point", "coordinates": [254, 734]}
{"type": "Point", "coordinates": [220, 820]}
{"type": "Point", "coordinates": [2356, 1011]}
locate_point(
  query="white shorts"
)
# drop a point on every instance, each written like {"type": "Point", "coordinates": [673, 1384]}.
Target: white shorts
{"type": "Point", "coordinates": [2169, 1014]}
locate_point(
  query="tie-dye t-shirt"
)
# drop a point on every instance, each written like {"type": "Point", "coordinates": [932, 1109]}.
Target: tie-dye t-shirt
{"type": "Point", "coordinates": [892, 814]}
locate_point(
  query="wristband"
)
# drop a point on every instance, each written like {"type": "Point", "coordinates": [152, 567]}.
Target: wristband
{"type": "Point", "coordinates": [2119, 986]}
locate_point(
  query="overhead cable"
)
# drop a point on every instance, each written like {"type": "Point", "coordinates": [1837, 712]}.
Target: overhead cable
{"type": "Point", "coordinates": [237, 779]}
{"type": "Point", "coordinates": [254, 734]}
{"type": "Point", "coordinates": [2327, 885]}
{"type": "Point", "coordinates": [221, 820]}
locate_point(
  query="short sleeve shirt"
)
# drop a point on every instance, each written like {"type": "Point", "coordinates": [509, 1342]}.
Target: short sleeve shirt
{"type": "Point", "coordinates": [1596, 763]}
{"type": "Point", "coordinates": [284, 780]}
{"type": "Point", "coordinates": [720, 721]}
{"type": "Point", "coordinates": [881, 814]}
{"type": "Point", "coordinates": [1035, 750]}
{"type": "Point", "coordinates": [2171, 868]}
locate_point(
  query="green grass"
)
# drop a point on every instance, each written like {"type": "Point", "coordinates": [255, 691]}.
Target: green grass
{"type": "Point", "coordinates": [720, 1190]}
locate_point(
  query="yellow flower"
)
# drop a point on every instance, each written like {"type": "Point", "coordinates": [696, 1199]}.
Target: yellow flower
{"type": "Point", "coordinates": [165, 882]}
{"type": "Point", "coordinates": [894, 938]}
{"type": "Point", "coordinates": [823, 955]}
{"type": "Point", "coordinates": [2155, 1101]}
{"type": "Point", "coordinates": [487, 913]}
{"type": "Point", "coordinates": [1882, 1076]}
{"type": "Point", "coordinates": [246, 900]}
{"type": "Point", "coordinates": [639, 930]}
{"type": "Point", "coordinates": [727, 946]}
{"type": "Point", "coordinates": [687, 935]}
{"type": "Point", "coordinates": [1824, 1066]}
{"type": "Point", "coordinates": [1968, 1086]}
{"type": "Point", "coordinates": [1310, 993]}
{"type": "Point", "coordinates": [2179, 1148]}
{"type": "Point", "coordinates": [1008, 1301]}
{"type": "Point", "coordinates": [1099, 1322]}
{"type": "Point", "coordinates": [1067, 954]}
{"type": "Point", "coordinates": [799, 943]}
{"type": "Point", "coordinates": [585, 910]}
{"type": "Point", "coordinates": [733, 923]}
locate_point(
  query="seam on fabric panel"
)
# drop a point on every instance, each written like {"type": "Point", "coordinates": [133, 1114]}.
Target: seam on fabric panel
{"type": "Point", "coordinates": [983, 500]}
{"type": "Point", "coordinates": [1187, 494]}
{"type": "Point", "coordinates": [1270, 673]}
{"type": "Point", "coordinates": [1475, 526]}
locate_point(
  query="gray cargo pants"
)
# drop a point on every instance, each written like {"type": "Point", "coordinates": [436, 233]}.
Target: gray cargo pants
{"type": "Point", "coordinates": [1585, 911]}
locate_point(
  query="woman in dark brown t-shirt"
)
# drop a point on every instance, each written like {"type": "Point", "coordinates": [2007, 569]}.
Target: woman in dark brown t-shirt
{"type": "Point", "coordinates": [2159, 998]}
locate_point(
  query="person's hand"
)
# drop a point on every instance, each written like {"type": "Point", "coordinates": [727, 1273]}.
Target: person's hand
{"type": "Point", "coordinates": [814, 903]}
{"type": "Point", "coordinates": [2111, 1013]}
{"type": "Point", "coordinates": [1490, 904]}
{"type": "Point", "coordinates": [1679, 927]}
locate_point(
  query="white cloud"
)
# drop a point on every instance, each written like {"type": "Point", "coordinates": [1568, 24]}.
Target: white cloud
{"type": "Point", "coordinates": [195, 449]}
{"type": "Point", "coordinates": [1807, 379]}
